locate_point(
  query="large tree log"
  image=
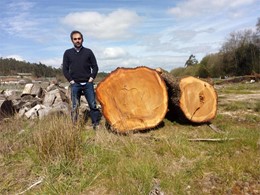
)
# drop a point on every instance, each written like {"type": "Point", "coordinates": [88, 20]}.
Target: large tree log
{"type": "Point", "coordinates": [190, 98]}
{"type": "Point", "coordinates": [133, 99]}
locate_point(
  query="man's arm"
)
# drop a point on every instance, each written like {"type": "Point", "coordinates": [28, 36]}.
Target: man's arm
{"type": "Point", "coordinates": [65, 67]}
{"type": "Point", "coordinates": [94, 65]}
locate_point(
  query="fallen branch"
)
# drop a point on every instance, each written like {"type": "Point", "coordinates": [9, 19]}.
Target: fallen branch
{"type": "Point", "coordinates": [211, 139]}
{"type": "Point", "coordinates": [214, 128]}
{"type": "Point", "coordinates": [33, 185]}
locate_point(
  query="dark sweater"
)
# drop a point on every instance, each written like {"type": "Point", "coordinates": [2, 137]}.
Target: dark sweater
{"type": "Point", "coordinates": [79, 66]}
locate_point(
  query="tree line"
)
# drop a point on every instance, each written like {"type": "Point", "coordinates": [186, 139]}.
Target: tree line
{"type": "Point", "coordinates": [10, 66]}
{"type": "Point", "coordinates": [239, 55]}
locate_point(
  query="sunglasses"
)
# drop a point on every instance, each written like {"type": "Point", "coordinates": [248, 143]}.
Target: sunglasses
{"type": "Point", "coordinates": [76, 39]}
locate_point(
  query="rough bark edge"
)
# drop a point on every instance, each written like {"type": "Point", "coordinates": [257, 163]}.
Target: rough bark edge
{"type": "Point", "coordinates": [174, 93]}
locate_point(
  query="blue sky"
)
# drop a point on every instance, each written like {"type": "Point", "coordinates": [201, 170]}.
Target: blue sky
{"type": "Point", "coordinates": [122, 33]}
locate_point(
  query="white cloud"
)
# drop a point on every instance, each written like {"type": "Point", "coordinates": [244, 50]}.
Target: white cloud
{"type": "Point", "coordinates": [167, 62]}
{"type": "Point", "coordinates": [193, 8]}
{"type": "Point", "coordinates": [54, 62]}
{"type": "Point", "coordinates": [20, 6]}
{"type": "Point", "coordinates": [114, 52]}
{"type": "Point", "coordinates": [14, 56]}
{"type": "Point", "coordinates": [114, 25]}
{"type": "Point", "coordinates": [238, 3]}
{"type": "Point", "coordinates": [18, 24]}
{"type": "Point", "coordinates": [18, 20]}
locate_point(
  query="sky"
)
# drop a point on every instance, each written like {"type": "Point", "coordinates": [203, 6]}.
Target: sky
{"type": "Point", "coordinates": [122, 33]}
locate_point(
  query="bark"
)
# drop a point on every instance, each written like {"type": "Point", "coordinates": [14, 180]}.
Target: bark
{"type": "Point", "coordinates": [133, 99]}
{"type": "Point", "coordinates": [6, 109]}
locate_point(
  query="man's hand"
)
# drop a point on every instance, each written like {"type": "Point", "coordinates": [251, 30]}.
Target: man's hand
{"type": "Point", "coordinates": [90, 80]}
{"type": "Point", "coordinates": [72, 82]}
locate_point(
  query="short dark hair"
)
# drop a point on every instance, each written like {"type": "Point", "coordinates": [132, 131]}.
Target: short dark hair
{"type": "Point", "coordinates": [75, 32]}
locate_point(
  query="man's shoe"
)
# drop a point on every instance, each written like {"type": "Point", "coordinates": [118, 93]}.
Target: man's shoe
{"type": "Point", "coordinates": [96, 127]}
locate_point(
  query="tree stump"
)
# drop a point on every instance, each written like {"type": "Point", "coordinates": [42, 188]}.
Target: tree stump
{"type": "Point", "coordinates": [133, 99]}
{"type": "Point", "coordinates": [190, 98]}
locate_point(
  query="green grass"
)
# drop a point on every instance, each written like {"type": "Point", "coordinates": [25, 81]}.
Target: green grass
{"type": "Point", "coordinates": [73, 160]}
{"type": "Point", "coordinates": [241, 105]}
{"type": "Point", "coordinates": [257, 106]}
{"type": "Point", "coordinates": [240, 88]}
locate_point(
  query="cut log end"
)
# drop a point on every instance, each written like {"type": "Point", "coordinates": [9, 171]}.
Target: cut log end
{"type": "Point", "coordinates": [133, 99]}
{"type": "Point", "coordinates": [198, 100]}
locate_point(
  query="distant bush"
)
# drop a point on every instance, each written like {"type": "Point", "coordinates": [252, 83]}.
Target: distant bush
{"type": "Point", "coordinates": [197, 70]}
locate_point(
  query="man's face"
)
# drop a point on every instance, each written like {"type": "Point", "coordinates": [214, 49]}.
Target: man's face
{"type": "Point", "coordinates": [77, 40]}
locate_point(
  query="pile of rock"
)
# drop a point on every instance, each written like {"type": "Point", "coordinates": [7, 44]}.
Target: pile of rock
{"type": "Point", "coordinates": [34, 101]}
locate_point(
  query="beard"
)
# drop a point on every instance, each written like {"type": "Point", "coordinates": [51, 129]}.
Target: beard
{"type": "Point", "coordinates": [77, 45]}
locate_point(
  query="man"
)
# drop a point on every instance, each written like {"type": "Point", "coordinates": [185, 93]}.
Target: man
{"type": "Point", "coordinates": [80, 69]}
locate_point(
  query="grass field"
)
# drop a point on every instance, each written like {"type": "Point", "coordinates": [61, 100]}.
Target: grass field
{"type": "Point", "coordinates": [51, 156]}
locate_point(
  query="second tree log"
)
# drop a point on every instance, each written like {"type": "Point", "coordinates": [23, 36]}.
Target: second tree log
{"type": "Point", "coordinates": [190, 98]}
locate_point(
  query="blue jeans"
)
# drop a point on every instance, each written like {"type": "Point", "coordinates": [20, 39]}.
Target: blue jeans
{"type": "Point", "coordinates": [88, 91]}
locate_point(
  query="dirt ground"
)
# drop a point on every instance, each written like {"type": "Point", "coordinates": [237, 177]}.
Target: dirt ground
{"type": "Point", "coordinates": [254, 96]}
{"type": "Point", "coordinates": [251, 97]}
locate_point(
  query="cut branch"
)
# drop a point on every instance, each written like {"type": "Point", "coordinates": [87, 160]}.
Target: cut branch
{"type": "Point", "coordinates": [214, 128]}
{"type": "Point", "coordinates": [211, 139]}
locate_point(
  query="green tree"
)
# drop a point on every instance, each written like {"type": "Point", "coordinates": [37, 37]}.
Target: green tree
{"type": "Point", "coordinates": [258, 25]}
{"type": "Point", "coordinates": [191, 61]}
{"type": "Point", "coordinates": [10, 66]}
{"type": "Point", "coordinates": [213, 64]}
{"type": "Point", "coordinates": [240, 53]}
{"type": "Point", "coordinates": [202, 71]}
{"type": "Point", "coordinates": [247, 57]}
